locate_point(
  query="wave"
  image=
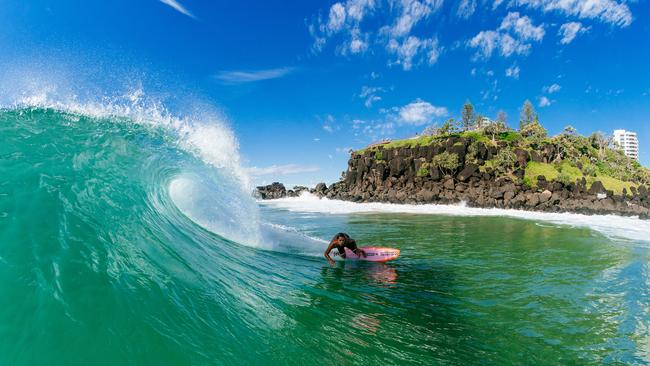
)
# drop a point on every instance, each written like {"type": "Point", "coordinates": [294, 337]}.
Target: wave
{"type": "Point", "coordinates": [204, 134]}
{"type": "Point", "coordinates": [630, 228]}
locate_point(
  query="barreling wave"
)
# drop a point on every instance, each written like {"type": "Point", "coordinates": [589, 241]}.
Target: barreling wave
{"type": "Point", "coordinates": [99, 206]}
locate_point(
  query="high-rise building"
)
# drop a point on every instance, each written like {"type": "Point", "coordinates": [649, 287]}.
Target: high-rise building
{"type": "Point", "coordinates": [628, 142]}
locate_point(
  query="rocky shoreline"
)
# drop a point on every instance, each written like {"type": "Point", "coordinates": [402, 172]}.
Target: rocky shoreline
{"type": "Point", "coordinates": [399, 176]}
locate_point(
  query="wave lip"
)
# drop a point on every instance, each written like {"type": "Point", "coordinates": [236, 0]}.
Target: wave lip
{"type": "Point", "coordinates": [630, 228]}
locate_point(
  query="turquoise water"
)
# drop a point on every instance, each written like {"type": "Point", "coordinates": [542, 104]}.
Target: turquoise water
{"type": "Point", "coordinates": [126, 242]}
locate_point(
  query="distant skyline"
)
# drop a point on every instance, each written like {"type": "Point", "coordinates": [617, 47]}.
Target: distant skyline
{"type": "Point", "coordinates": [302, 83]}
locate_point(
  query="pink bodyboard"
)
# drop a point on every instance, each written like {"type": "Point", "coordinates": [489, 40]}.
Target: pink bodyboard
{"type": "Point", "coordinates": [373, 254]}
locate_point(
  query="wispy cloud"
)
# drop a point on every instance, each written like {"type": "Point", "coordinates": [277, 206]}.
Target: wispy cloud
{"type": "Point", "coordinates": [544, 102]}
{"type": "Point", "coordinates": [554, 88]}
{"type": "Point", "coordinates": [607, 11]}
{"type": "Point", "coordinates": [570, 30]}
{"type": "Point", "coordinates": [344, 26]}
{"type": "Point", "coordinates": [240, 77]}
{"type": "Point", "coordinates": [286, 169]}
{"type": "Point", "coordinates": [178, 7]}
{"type": "Point", "coordinates": [513, 72]}
{"type": "Point", "coordinates": [370, 95]}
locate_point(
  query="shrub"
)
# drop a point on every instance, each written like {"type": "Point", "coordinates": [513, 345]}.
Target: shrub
{"type": "Point", "coordinates": [534, 133]}
{"type": "Point", "coordinates": [510, 136]}
{"type": "Point", "coordinates": [504, 161]}
{"type": "Point", "coordinates": [472, 151]}
{"type": "Point", "coordinates": [379, 155]}
{"type": "Point", "coordinates": [446, 162]}
{"type": "Point", "coordinates": [589, 170]}
{"type": "Point", "coordinates": [564, 178]}
{"type": "Point", "coordinates": [422, 172]}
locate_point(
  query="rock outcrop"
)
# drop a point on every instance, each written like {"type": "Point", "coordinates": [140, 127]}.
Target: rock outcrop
{"type": "Point", "coordinates": [405, 175]}
{"type": "Point", "coordinates": [277, 190]}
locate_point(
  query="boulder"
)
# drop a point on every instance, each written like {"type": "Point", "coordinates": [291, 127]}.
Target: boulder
{"type": "Point", "coordinates": [545, 196]}
{"type": "Point", "coordinates": [272, 191]}
{"type": "Point", "coordinates": [449, 184]}
{"type": "Point", "coordinates": [522, 157]}
{"type": "Point", "coordinates": [320, 188]}
{"type": "Point", "coordinates": [597, 188]}
{"type": "Point", "coordinates": [467, 172]}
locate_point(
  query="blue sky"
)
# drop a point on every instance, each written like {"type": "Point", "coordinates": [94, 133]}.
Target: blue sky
{"type": "Point", "coordinates": [302, 82]}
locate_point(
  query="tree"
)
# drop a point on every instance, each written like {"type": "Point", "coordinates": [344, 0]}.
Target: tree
{"type": "Point", "coordinates": [502, 117]}
{"type": "Point", "coordinates": [528, 115]}
{"type": "Point", "coordinates": [446, 162]}
{"type": "Point", "coordinates": [495, 128]}
{"type": "Point", "coordinates": [479, 121]}
{"type": "Point", "coordinates": [468, 115]}
{"type": "Point", "coordinates": [431, 130]}
{"type": "Point", "coordinates": [600, 141]}
{"type": "Point", "coordinates": [570, 131]}
{"type": "Point", "coordinates": [504, 162]}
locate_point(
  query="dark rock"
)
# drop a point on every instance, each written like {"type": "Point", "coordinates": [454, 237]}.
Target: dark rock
{"type": "Point", "coordinates": [597, 188]}
{"type": "Point", "coordinates": [449, 184]}
{"type": "Point", "coordinates": [467, 172]}
{"type": "Point", "coordinates": [272, 191]}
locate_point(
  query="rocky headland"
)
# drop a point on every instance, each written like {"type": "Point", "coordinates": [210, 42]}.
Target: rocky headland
{"type": "Point", "coordinates": [567, 173]}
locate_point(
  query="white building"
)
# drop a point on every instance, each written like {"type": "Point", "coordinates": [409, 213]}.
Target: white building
{"type": "Point", "coordinates": [627, 141]}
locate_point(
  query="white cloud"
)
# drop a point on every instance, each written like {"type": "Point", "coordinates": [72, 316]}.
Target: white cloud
{"type": "Point", "coordinates": [178, 7]}
{"type": "Point", "coordinates": [411, 12]}
{"type": "Point", "coordinates": [343, 18]}
{"type": "Point", "coordinates": [239, 77]}
{"type": "Point", "coordinates": [496, 4]}
{"type": "Point", "coordinates": [344, 23]}
{"type": "Point", "coordinates": [336, 18]}
{"type": "Point", "coordinates": [282, 170]}
{"type": "Point", "coordinates": [408, 52]}
{"type": "Point", "coordinates": [554, 88]}
{"type": "Point", "coordinates": [513, 72]}
{"type": "Point", "coordinates": [329, 123]}
{"type": "Point", "coordinates": [369, 95]}
{"type": "Point", "coordinates": [466, 8]}
{"type": "Point", "coordinates": [523, 27]}
{"type": "Point", "coordinates": [544, 102]}
{"type": "Point", "coordinates": [419, 112]}
{"type": "Point", "coordinates": [487, 42]}
{"type": "Point", "coordinates": [608, 11]}
{"type": "Point", "coordinates": [569, 31]}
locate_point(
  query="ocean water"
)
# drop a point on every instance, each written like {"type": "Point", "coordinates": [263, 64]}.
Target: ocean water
{"type": "Point", "coordinates": [130, 237]}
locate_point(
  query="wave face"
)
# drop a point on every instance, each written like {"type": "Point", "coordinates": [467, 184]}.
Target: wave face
{"type": "Point", "coordinates": [97, 211]}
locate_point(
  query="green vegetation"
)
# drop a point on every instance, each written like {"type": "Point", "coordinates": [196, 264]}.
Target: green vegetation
{"type": "Point", "coordinates": [446, 162]}
{"type": "Point", "coordinates": [534, 170]}
{"type": "Point", "coordinates": [505, 161]}
{"type": "Point", "coordinates": [612, 184]}
{"type": "Point", "coordinates": [570, 155]}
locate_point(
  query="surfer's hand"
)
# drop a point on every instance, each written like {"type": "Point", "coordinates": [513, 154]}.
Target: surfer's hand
{"type": "Point", "coordinates": [332, 262]}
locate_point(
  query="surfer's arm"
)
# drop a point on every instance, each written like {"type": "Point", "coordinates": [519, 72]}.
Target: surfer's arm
{"type": "Point", "coordinates": [327, 252]}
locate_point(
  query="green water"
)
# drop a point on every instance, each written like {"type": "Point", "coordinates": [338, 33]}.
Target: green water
{"type": "Point", "coordinates": [98, 265]}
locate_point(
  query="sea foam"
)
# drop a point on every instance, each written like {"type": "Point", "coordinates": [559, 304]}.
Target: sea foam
{"type": "Point", "coordinates": [629, 228]}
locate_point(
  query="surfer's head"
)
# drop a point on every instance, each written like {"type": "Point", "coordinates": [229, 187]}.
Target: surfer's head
{"type": "Point", "coordinates": [340, 238]}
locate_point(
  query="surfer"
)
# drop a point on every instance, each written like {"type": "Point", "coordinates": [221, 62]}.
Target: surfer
{"type": "Point", "coordinates": [340, 242]}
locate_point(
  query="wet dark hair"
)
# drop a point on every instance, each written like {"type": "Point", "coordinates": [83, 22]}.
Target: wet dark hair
{"type": "Point", "coordinates": [341, 235]}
